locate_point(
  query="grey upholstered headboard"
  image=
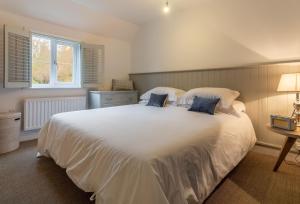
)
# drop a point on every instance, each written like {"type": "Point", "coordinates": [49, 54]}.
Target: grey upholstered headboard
{"type": "Point", "coordinates": [256, 83]}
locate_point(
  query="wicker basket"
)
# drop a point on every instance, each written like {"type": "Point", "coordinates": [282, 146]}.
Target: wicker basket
{"type": "Point", "coordinates": [10, 125]}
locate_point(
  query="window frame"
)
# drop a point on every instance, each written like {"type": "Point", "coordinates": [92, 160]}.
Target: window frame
{"type": "Point", "coordinates": [53, 81]}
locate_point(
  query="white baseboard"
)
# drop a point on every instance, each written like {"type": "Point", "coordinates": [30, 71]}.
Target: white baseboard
{"type": "Point", "coordinates": [273, 150]}
{"type": "Point", "coordinates": [28, 135]}
{"type": "Point", "coordinates": [278, 147]}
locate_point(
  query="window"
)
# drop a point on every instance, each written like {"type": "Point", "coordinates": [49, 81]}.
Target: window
{"type": "Point", "coordinates": [55, 62]}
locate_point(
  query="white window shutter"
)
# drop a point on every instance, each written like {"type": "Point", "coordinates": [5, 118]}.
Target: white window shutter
{"type": "Point", "coordinates": [92, 65]}
{"type": "Point", "coordinates": [17, 71]}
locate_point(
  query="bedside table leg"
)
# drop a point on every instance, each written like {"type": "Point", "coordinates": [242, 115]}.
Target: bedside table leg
{"type": "Point", "coordinates": [285, 149]}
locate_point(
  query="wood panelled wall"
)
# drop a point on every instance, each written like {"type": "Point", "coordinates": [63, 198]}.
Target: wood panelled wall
{"type": "Point", "coordinates": [256, 83]}
{"type": "Point", "coordinates": [1, 55]}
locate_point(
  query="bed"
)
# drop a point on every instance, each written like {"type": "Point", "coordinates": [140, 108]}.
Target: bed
{"type": "Point", "coordinates": [141, 154]}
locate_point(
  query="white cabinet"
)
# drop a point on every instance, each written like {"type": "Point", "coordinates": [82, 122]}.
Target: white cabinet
{"type": "Point", "coordinates": [101, 99]}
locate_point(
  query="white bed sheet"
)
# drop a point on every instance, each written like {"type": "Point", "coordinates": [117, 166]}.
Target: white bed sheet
{"type": "Point", "coordinates": [138, 154]}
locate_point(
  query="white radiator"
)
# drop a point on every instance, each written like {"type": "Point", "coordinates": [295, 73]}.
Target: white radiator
{"type": "Point", "coordinates": [37, 111]}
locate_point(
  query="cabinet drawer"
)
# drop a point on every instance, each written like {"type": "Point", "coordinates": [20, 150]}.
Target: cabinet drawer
{"type": "Point", "coordinates": [108, 99]}
{"type": "Point", "coordinates": [131, 98]}
{"type": "Point", "coordinates": [118, 99]}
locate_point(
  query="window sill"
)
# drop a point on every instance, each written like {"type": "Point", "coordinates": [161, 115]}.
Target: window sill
{"type": "Point", "coordinates": [56, 87]}
{"type": "Point", "coordinates": [49, 88]}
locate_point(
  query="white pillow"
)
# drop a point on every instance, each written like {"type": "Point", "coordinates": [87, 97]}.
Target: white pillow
{"type": "Point", "coordinates": [143, 102]}
{"type": "Point", "coordinates": [236, 108]}
{"type": "Point", "coordinates": [239, 106]}
{"type": "Point", "coordinates": [227, 96]}
{"type": "Point", "coordinates": [173, 94]}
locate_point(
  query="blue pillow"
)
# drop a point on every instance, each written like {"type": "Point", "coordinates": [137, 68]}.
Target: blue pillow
{"type": "Point", "coordinates": [157, 100]}
{"type": "Point", "coordinates": [205, 105]}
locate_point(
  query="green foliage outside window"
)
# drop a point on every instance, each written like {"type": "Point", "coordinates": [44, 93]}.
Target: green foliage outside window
{"type": "Point", "coordinates": [41, 61]}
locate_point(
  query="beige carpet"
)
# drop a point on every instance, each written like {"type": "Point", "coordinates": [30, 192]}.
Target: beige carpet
{"type": "Point", "coordinates": [25, 179]}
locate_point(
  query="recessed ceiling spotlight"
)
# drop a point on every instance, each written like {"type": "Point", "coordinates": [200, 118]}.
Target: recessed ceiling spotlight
{"type": "Point", "coordinates": [166, 7]}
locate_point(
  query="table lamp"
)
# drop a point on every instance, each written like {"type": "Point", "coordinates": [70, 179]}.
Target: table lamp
{"type": "Point", "coordinates": [291, 83]}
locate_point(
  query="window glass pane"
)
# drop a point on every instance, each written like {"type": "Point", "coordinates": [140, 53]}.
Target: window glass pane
{"type": "Point", "coordinates": [64, 63]}
{"type": "Point", "coordinates": [41, 60]}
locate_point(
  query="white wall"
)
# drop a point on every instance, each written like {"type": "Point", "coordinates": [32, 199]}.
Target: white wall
{"type": "Point", "coordinates": [219, 34]}
{"type": "Point", "coordinates": [117, 60]}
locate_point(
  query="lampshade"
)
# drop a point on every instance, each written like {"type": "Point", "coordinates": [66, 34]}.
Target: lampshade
{"type": "Point", "coordinates": [289, 82]}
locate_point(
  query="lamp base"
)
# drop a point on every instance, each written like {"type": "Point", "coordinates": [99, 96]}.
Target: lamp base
{"type": "Point", "coordinates": [296, 112]}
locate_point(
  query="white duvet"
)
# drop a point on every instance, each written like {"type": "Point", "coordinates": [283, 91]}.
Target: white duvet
{"type": "Point", "coordinates": [139, 154]}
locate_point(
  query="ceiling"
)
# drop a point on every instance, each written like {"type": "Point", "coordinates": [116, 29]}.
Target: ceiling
{"type": "Point", "coordinates": [113, 18]}
{"type": "Point", "coordinates": [122, 18]}
{"type": "Point", "coordinates": [138, 11]}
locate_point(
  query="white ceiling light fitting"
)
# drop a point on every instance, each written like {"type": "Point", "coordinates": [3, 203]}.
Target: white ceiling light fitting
{"type": "Point", "coordinates": [166, 7]}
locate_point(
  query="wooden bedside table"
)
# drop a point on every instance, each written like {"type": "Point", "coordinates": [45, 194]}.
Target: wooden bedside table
{"type": "Point", "coordinates": [291, 137]}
